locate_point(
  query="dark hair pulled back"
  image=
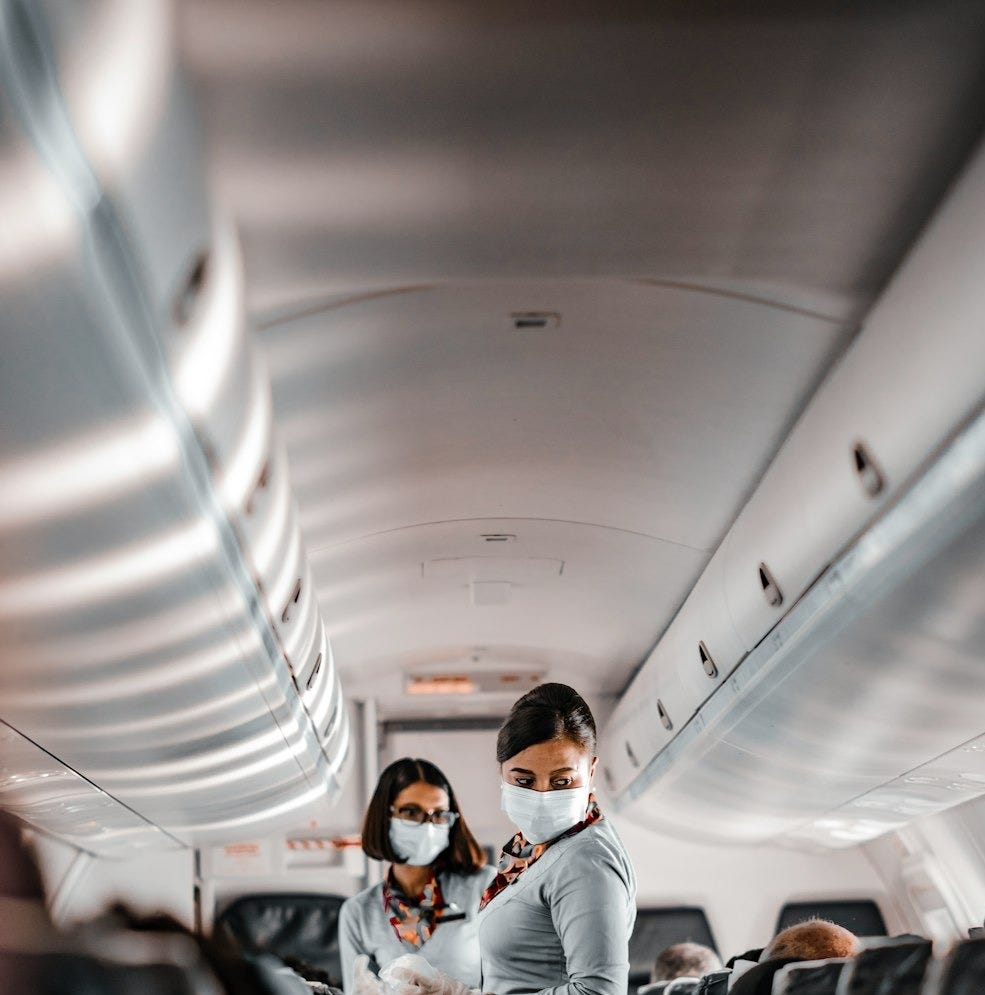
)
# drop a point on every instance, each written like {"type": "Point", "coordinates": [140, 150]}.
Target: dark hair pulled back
{"type": "Point", "coordinates": [548, 712]}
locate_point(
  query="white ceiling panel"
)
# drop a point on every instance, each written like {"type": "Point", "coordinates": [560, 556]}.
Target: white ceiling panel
{"type": "Point", "coordinates": [592, 621]}
{"type": "Point", "coordinates": [408, 175]}
{"type": "Point", "coordinates": [618, 442]}
{"type": "Point", "coordinates": [368, 145]}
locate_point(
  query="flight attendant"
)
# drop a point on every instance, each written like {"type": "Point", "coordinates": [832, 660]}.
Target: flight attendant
{"type": "Point", "coordinates": [560, 911]}
{"type": "Point", "coordinates": [427, 903]}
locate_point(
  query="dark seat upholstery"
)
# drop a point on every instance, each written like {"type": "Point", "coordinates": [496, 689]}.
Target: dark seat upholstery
{"type": "Point", "coordinates": [713, 983]}
{"type": "Point", "coordinates": [963, 973]}
{"type": "Point", "coordinates": [896, 966]}
{"type": "Point", "coordinates": [658, 928]}
{"type": "Point", "coordinates": [816, 977]}
{"type": "Point", "coordinates": [294, 927]}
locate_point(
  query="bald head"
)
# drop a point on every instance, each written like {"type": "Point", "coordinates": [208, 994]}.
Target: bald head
{"type": "Point", "coordinates": [816, 939]}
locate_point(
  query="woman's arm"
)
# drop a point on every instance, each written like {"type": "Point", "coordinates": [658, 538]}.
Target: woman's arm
{"type": "Point", "coordinates": [590, 901]}
{"type": "Point", "coordinates": [350, 943]}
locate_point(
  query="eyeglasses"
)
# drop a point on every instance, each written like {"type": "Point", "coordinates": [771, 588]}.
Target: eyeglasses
{"type": "Point", "coordinates": [414, 813]}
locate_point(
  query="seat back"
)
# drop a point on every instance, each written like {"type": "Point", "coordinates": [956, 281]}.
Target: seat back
{"type": "Point", "coordinates": [861, 917]}
{"type": "Point", "coordinates": [658, 928]}
{"type": "Point", "coordinates": [810, 977]}
{"type": "Point", "coordinates": [715, 983]}
{"type": "Point", "coordinates": [294, 927]}
{"type": "Point", "coordinates": [675, 986]}
{"type": "Point", "coordinates": [962, 972]}
{"type": "Point", "coordinates": [682, 986]}
{"type": "Point", "coordinates": [895, 966]}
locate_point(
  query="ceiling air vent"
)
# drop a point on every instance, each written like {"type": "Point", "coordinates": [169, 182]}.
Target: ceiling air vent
{"type": "Point", "coordinates": [525, 321]}
{"type": "Point", "coordinates": [868, 472]}
{"type": "Point", "coordinates": [261, 483]}
{"type": "Point", "coordinates": [285, 615]}
{"type": "Point", "coordinates": [188, 296]}
{"type": "Point", "coordinates": [771, 590]}
{"type": "Point", "coordinates": [633, 759]}
{"type": "Point", "coordinates": [664, 716]}
{"type": "Point", "coordinates": [707, 663]}
{"type": "Point", "coordinates": [314, 673]}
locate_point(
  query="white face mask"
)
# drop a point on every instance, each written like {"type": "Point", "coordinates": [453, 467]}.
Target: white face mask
{"type": "Point", "coordinates": [418, 844]}
{"type": "Point", "coordinates": [542, 815]}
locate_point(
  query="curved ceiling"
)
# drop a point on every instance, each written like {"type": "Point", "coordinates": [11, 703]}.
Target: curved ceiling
{"type": "Point", "coordinates": [393, 143]}
{"type": "Point", "coordinates": [709, 196]}
{"type": "Point", "coordinates": [612, 450]}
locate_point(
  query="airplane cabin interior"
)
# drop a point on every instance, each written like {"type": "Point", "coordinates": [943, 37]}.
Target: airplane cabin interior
{"type": "Point", "coordinates": [365, 366]}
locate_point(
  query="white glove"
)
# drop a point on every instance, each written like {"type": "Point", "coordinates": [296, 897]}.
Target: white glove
{"type": "Point", "coordinates": [411, 974]}
{"type": "Point", "coordinates": [364, 981]}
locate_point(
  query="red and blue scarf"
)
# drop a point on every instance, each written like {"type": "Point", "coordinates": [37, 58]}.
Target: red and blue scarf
{"type": "Point", "coordinates": [415, 920]}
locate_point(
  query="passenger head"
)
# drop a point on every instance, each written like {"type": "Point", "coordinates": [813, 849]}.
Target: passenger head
{"type": "Point", "coordinates": [548, 740]}
{"type": "Point", "coordinates": [684, 960]}
{"type": "Point", "coordinates": [414, 815]}
{"type": "Point", "coordinates": [815, 939]}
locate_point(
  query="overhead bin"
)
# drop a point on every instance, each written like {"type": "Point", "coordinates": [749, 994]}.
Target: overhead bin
{"type": "Point", "coordinates": [166, 677]}
{"type": "Point", "coordinates": [902, 406]}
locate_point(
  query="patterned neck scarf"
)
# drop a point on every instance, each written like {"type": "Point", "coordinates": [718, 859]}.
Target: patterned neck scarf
{"type": "Point", "coordinates": [518, 854]}
{"type": "Point", "coordinates": [414, 920]}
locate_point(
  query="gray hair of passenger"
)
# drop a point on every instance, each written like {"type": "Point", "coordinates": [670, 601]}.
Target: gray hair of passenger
{"type": "Point", "coordinates": [684, 960]}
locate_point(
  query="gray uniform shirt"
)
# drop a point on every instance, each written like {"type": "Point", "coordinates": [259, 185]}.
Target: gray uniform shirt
{"type": "Point", "coordinates": [563, 926]}
{"type": "Point", "coordinates": [452, 948]}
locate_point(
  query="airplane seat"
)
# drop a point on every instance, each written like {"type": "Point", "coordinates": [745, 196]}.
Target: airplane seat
{"type": "Point", "coordinates": [810, 977]}
{"type": "Point", "coordinates": [62, 973]}
{"type": "Point", "coordinates": [676, 986]}
{"type": "Point", "coordinates": [118, 953]}
{"type": "Point", "coordinates": [895, 965]}
{"type": "Point", "coordinates": [293, 927]}
{"type": "Point", "coordinates": [265, 975]}
{"type": "Point", "coordinates": [80, 974]}
{"type": "Point", "coordinates": [681, 986]}
{"type": "Point", "coordinates": [102, 957]}
{"type": "Point", "coordinates": [714, 983]}
{"type": "Point", "coordinates": [860, 916]}
{"type": "Point", "coordinates": [758, 980]}
{"type": "Point", "coordinates": [961, 972]}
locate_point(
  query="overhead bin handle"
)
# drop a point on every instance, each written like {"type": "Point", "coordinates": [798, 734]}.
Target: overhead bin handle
{"type": "Point", "coordinates": [771, 590]}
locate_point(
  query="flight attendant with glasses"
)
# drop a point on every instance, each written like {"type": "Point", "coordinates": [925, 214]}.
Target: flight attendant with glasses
{"type": "Point", "coordinates": [428, 901]}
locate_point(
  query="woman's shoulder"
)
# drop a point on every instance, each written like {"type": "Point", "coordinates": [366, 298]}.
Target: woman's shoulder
{"type": "Point", "coordinates": [485, 875]}
{"type": "Point", "coordinates": [477, 881]}
{"type": "Point", "coordinates": [365, 899]}
{"type": "Point", "coordinates": [597, 846]}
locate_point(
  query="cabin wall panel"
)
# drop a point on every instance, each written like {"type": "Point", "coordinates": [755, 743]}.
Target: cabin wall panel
{"type": "Point", "coordinates": [910, 389]}
{"type": "Point", "coordinates": [143, 651]}
{"type": "Point", "coordinates": [935, 869]}
{"type": "Point", "coordinates": [267, 863]}
{"type": "Point", "coordinates": [80, 886]}
{"type": "Point", "coordinates": [743, 888]}
{"type": "Point", "coordinates": [221, 890]}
